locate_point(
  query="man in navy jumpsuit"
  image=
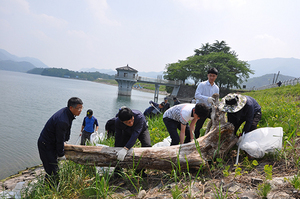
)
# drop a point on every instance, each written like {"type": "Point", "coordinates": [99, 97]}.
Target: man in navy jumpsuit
{"type": "Point", "coordinates": [54, 134]}
{"type": "Point", "coordinates": [130, 125]}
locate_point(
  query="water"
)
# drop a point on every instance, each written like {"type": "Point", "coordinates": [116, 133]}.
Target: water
{"type": "Point", "coordinates": [28, 101]}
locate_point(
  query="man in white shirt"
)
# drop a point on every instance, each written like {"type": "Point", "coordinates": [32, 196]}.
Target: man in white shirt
{"type": "Point", "coordinates": [204, 93]}
{"type": "Point", "coordinates": [178, 117]}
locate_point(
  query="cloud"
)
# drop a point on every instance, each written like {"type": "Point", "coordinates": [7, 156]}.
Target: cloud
{"type": "Point", "coordinates": [99, 9]}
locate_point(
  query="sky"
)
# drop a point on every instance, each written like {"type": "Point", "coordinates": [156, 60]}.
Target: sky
{"type": "Point", "coordinates": [145, 34]}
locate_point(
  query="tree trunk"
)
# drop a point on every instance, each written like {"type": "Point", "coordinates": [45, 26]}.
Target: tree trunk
{"type": "Point", "coordinates": [159, 158]}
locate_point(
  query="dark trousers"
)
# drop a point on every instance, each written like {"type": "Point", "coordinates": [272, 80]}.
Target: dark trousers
{"type": "Point", "coordinates": [48, 156]}
{"type": "Point", "coordinates": [200, 123]}
{"type": "Point", "coordinates": [122, 138]}
{"type": "Point", "coordinates": [256, 119]}
{"type": "Point", "coordinates": [84, 137]}
{"type": "Point", "coordinates": [172, 127]}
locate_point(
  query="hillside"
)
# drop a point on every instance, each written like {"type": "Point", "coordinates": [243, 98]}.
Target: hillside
{"type": "Point", "coordinates": [4, 55]}
{"type": "Point", "coordinates": [267, 79]}
{"type": "Point", "coordinates": [16, 66]}
{"type": "Point", "coordinates": [286, 66]}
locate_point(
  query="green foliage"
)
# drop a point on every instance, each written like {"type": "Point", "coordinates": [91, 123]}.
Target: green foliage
{"type": "Point", "coordinates": [268, 170]}
{"type": "Point", "coordinates": [248, 164]}
{"type": "Point", "coordinates": [218, 192]}
{"type": "Point", "coordinates": [226, 171]}
{"type": "Point", "coordinates": [60, 72]}
{"type": "Point", "coordinates": [264, 189]}
{"type": "Point", "coordinates": [232, 70]}
{"type": "Point", "coordinates": [238, 171]}
{"type": "Point", "coordinates": [176, 192]}
{"type": "Point", "coordinates": [295, 181]}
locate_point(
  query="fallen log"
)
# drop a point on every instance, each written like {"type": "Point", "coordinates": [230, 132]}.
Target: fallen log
{"type": "Point", "coordinates": [159, 158]}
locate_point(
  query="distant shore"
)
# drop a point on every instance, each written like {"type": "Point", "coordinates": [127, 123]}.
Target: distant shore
{"type": "Point", "coordinates": [138, 89]}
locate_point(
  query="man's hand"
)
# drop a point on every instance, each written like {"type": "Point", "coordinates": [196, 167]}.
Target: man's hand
{"type": "Point", "coordinates": [61, 158]}
{"type": "Point", "coordinates": [121, 154]}
{"type": "Point", "coordinates": [211, 100]}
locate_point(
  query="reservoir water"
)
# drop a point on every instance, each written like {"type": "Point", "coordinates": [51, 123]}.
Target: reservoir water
{"type": "Point", "coordinates": [27, 101]}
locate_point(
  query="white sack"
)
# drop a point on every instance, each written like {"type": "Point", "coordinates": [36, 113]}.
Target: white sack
{"type": "Point", "coordinates": [96, 137]}
{"type": "Point", "coordinates": [260, 141]}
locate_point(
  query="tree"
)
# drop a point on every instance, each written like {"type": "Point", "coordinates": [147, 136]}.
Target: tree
{"type": "Point", "coordinates": [177, 71]}
{"type": "Point", "coordinates": [232, 71]}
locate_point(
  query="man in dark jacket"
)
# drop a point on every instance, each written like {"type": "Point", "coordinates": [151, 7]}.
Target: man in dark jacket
{"type": "Point", "coordinates": [167, 104]}
{"type": "Point", "coordinates": [130, 125]}
{"type": "Point", "coordinates": [154, 109]}
{"type": "Point", "coordinates": [240, 109]}
{"type": "Point", "coordinates": [54, 134]}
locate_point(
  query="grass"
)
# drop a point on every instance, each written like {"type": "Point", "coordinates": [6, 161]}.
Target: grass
{"type": "Point", "coordinates": [280, 108]}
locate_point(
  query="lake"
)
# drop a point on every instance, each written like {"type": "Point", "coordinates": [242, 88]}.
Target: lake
{"type": "Point", "coordinates": [28, 101]}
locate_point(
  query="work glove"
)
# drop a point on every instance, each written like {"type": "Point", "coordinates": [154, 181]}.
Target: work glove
{"type": "Point", "coordinates": [121, 154]}
{"type": "Point", "coordinates": [61, 158]}
{"type": "Point", "coordinates": [211, 100]}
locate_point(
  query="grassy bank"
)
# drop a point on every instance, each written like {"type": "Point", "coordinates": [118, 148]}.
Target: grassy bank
{"type": "Point", "coordinates": [280, 108]}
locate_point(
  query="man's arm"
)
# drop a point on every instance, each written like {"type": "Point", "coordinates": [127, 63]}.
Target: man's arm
{"type": "Point", "coordinates": [192, 128]}
{"type": "Point", "coordinates": [97, 125]}
{"type": "Point", "coordinates": [182, 133]}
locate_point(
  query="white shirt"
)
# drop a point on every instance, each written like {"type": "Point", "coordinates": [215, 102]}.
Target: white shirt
{"type": "Point", "coordinates": [181, 113]}
{"type": "Point", "coordinates": [205, 90]}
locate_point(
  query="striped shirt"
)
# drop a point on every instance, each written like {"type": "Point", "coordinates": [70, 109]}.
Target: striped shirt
{"type": "Point", "coordinates": [181, 113]}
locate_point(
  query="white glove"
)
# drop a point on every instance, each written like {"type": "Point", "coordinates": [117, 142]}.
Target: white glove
{"type": "Point", "coordinates": [121, 154]}
{"type": "Point", "coordinates": [61, 158]}
{"type": "Point", "coordinates": [211, 100]}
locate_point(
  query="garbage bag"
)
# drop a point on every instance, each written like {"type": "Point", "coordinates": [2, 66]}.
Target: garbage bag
{"type": "Point", "coordinates": [96, 137]}
{"type": "Point", "coordinates": [165, 142]}
{"type": "Point", "coordinates": [261, 141]}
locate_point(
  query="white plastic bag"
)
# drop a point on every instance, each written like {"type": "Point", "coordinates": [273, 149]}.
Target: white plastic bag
{"type": "Point", "coordinates": [96, 137]}
{"type": "Point", "coordinates": [260, 141]}
{"type": "Point", "coordinates": [165, 142]}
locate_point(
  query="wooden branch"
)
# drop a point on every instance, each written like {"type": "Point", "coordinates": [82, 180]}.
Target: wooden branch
{"type": "Point", "coordinates": [159, 158]}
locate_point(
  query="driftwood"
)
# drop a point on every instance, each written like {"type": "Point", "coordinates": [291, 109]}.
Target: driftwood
{"type": "Point", "coordinates": [217, 116]}
{"type": "Point", "coordinates": [159, 158]}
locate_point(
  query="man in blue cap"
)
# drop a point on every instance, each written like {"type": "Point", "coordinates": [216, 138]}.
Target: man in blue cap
{"type": "Point", "coordinates": [88, 126]}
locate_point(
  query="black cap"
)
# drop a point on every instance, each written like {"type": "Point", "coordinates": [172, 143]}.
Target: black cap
{"type": "Point", "coordinates": [89, 112]}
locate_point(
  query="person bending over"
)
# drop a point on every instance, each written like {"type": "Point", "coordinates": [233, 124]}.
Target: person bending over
{"type": "Point", "coordinates": [130, 125]}
{"type": "Point", "coordinates": [240, 109]}
{"type": "Point", "coordinates": [178, 117]}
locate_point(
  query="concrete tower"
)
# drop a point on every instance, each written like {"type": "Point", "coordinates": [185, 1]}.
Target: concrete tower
{"type": "Point", "coordinates": [126, 78]}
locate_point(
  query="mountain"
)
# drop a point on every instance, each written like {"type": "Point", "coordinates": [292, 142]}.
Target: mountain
{"type": "Point", "coordinates": [286, 66]}
{"type": "Point", "coordinates": [265, 80]}
{"type": "Point", "coordinates": [16, 63]}
{"type": "Point", "coordinates": [16, 66]}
